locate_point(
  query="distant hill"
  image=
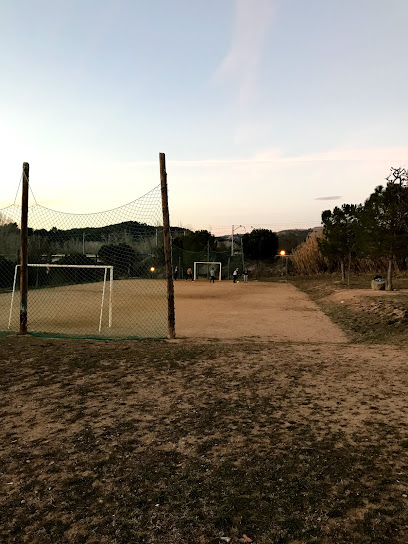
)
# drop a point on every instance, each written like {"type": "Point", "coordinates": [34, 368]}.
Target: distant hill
{"type": "Point", "coordinates": [288, 239]}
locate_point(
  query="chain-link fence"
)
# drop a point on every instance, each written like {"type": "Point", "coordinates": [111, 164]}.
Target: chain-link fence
{"type": "Point", "coordinates": [89, 275]}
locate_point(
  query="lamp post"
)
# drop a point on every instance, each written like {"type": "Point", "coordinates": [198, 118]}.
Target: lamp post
{"type": "Point", "coordinates": [234, 228]}
{"type": "Point", "coordinates": [282, 253]}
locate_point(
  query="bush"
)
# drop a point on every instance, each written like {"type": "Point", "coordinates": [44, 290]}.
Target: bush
{"type": "Point", "coordinates": [308, 259]}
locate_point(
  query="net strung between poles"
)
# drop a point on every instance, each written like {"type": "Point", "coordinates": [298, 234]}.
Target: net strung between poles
{"type": "Point", "coordinates": [66, 300]}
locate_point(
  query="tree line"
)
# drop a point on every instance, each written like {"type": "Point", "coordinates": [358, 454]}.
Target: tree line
{"type": "Point", "coordinates": [132, 248]}
{"type": "Point", "coordinates": [376, 229]}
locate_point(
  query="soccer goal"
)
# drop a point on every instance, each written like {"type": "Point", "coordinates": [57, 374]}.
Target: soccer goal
{"type": "Point", "coordinates": [202, 269]}
{"type": "Point", "coordinates": [75, 266]}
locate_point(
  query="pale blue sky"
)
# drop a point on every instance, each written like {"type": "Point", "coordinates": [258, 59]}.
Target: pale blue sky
{"type": "Point", "coordinates": [261, 106]}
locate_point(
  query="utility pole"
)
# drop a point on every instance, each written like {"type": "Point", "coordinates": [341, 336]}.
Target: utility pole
{"type": "Point", "coordinates": [208, 258]}
{"type": "Point", "coordinates": [232, 241]}
{"type": "Point", "coordinates": [24, 251]}
{"type": "Point", "coordinates": [167, 247]}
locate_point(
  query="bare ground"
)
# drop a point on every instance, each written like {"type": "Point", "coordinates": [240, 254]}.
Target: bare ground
{"type": "Point", "coordinates": [275, 311]}
{"type": "Point", "coordinates": [200, 439]}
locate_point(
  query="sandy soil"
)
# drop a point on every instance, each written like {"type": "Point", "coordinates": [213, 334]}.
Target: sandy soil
{"type": "Point", "coordinates": [274, 311]}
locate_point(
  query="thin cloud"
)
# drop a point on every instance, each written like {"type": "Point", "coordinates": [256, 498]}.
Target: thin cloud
{"type": "Point", "coordinates": [328, 198]}
{"type": "Point", "coordinates": [397, 155]}
{"type": "Point", "coordinates": [252, 22]}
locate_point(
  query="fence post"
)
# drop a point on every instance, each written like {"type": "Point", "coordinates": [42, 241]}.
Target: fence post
{"type": "Point", "coordinates": [23, 251]}
{"type": "Point", "coordinates": [167, 246]}
{"type": "Point", "coordinates": [208, 259]}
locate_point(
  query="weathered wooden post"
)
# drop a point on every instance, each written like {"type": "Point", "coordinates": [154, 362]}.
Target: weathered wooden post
{"type": "Point", "coordinates": [24, 250]}
{"type": "Point", "coordinates": [167, 246]}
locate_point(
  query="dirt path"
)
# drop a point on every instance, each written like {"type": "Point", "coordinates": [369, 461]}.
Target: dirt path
{"type": "Point", "coordinates": [274, 311]}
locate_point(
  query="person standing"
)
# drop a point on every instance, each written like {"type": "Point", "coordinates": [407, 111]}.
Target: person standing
{"type": "Point", "coordinates": [245, 275]}
{"type": "Point", "coordinates": [212, 276]}
{"type": "Point", "coordinates": [235, 276]}
{"type": "Point", "coordinates": [176, 273]}
{"type": "Point", "coordinates": [189, 274]}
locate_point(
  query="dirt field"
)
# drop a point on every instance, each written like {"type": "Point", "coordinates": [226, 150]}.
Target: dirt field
{"type": "Point", "coordinates": [139, 309]}
{"type": "Point", "coordinates": [276, 434]}
{"type": "Point", "coordinates": [276, 311]}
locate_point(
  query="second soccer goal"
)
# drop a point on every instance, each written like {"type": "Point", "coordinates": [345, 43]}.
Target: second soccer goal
{"type": "Point", "coordinates": [202, 270]}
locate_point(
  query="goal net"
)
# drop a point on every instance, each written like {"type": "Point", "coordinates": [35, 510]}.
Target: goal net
{"type": "Point", "coordinates": [85, 267]}
{"type": "Point", "coordinates": [203, 269]}
{"type": "Point", "coordinates": [94, 295]}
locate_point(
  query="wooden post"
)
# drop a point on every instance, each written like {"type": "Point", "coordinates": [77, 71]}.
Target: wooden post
{"type": "Point", "coordinates": [208, 258]}
{"type": "Point", "coordinates": [167, 246]}
{"type": "Point", "coordinates": [23, 251]}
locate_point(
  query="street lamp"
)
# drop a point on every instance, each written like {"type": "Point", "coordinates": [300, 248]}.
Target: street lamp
{"type": "Point", "coordinates": [282, 253]}
{"type": "Point", "coordinates": [232, 236]}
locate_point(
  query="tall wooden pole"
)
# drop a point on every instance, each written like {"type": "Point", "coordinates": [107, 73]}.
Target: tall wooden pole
{"type": "Point", "coordinates": [23, 251]}
{"type": "Point", "coordinates": [208, 258]}
{"type": "Point", "coordinates": [167, 247]}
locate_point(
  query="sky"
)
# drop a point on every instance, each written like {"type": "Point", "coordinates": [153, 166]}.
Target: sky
{"type": "Point", "coordinates": [268, 111]}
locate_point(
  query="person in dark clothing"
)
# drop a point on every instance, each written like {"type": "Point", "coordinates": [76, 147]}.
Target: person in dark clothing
{"type": "Point", "coordinates": [245, 275]}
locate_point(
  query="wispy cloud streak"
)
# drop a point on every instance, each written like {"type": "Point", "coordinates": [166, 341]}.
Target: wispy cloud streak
{"type": "Point", "coordinates": [241, 64]}
{"type": "Point", "coordinates": [328, 198]}
{"type": "Point", "coordinates": [397, 155]}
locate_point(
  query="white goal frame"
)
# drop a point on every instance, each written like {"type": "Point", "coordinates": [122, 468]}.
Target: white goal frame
{"type": "Point", "coordinates": [106, 268]}
{"type": "Point", "coordinates": [206, 262]}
